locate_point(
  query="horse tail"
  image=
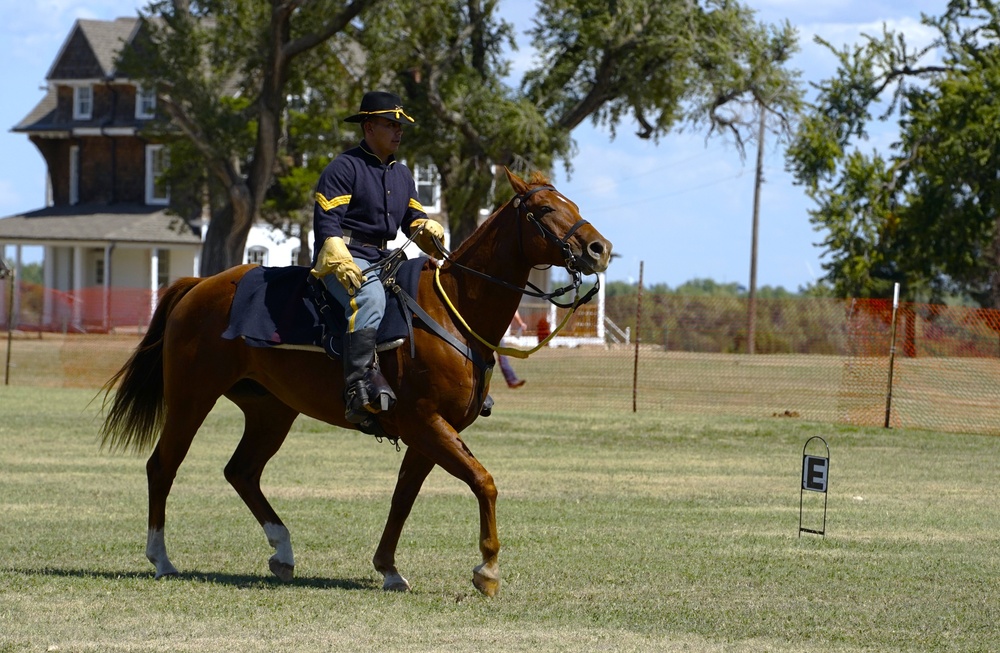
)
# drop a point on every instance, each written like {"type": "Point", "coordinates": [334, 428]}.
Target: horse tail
{"type": "Point", "coordinates": [137, 412]}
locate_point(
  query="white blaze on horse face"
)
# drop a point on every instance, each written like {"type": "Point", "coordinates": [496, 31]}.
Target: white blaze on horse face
{"type": "Point", "coordinates": [156, 552]}
{"type": "Point", "coordinates": [570, 205]}
{"type": "Point", "coordinates": [279, 538]}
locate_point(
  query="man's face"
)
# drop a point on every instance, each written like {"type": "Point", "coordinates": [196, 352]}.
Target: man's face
{"type": "Point", "coordinates": [383, 136]}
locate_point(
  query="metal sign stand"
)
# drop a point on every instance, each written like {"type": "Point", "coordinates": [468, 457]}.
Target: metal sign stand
{"type": "Point", "coordinates": [815, 478]}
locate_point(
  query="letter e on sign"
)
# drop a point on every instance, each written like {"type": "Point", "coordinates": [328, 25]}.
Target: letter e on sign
{"type": "Point", "coordinates": [814, 473]}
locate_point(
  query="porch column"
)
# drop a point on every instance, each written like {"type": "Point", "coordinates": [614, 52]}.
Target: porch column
{"type": "Point", "coordinates": [600, 307]}
{"type": "Point", "coordinates": [79, 275]}
{"type": "Point", "coordinates": [5, 287]}
{"type": "Point", "coordinates": [49, 283]}
{"type": "Point", "coordinates": [108, 322]}
{"type": "Point", "coordinates": [154, 273]}
{"type": "Point", "coordinates": [18, 274]}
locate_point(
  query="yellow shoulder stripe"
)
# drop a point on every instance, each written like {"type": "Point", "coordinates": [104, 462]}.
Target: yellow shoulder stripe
{"type": "Point", "coordinates": [414, 204]}
{"type": "Point", "coordinates": [326, 204]}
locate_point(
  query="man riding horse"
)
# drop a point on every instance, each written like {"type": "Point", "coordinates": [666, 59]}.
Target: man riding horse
{"type": "Point", "coordinates": [363, 198]}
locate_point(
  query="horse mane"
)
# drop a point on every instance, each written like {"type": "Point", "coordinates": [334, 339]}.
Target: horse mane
{"type": "Point", "coordinates": [536, 178]}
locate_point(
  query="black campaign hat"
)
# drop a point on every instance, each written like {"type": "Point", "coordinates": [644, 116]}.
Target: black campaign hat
{"type": "Point", "coordinates": [381, 103]}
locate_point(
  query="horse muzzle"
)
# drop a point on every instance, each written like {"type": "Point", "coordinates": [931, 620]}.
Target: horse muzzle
{"type": "Point", "coordinates": [594, 257]}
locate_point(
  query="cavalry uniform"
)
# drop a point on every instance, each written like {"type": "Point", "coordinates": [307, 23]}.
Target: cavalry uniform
{"type": "Point", "coordinates": [363, 198]}
{"type": "Point", "coordinates": [365, 202]}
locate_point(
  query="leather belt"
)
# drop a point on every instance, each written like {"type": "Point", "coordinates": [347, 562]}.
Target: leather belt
{"type": "Point", "coordinates": [363, 240]}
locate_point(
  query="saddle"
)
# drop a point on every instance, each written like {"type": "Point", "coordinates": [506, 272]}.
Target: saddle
{"type": "Point", "coordinates": [288, 307]}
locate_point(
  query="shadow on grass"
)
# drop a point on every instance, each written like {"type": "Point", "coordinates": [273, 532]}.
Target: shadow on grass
{"type": "Point", "coordinates": [242, 581]}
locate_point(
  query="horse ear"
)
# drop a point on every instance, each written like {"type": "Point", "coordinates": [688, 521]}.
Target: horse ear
{"type": "Point", "coordinates": [515, 182]}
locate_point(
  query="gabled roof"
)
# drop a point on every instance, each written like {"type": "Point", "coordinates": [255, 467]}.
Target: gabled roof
{"type": "Point", "coordinates": [91, 49]}
{"type": "Point", "coordinates": [118, 223]}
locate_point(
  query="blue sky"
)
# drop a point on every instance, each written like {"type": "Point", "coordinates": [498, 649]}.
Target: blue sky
{"type": "Point", "coordinates": [681, 207]}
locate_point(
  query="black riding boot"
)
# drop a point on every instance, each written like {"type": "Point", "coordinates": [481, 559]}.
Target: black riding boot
{"type": "Point", "coordinates": [366, 391]}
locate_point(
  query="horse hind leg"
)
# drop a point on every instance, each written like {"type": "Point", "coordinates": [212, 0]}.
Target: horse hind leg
{"type": "Point", "coordinates": [267, 423]}
{"type": "Point", "coordinates": [179, 430]}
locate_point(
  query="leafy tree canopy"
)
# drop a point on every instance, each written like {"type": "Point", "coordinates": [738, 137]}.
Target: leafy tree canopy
{"type": "Point", "coordinates": [258, 89]}
{"type": "Point", "coordinates": [923, 213]}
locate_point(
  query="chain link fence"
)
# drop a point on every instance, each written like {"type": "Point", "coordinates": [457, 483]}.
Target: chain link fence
{"type": "Point", "coordinates": [815, 359]}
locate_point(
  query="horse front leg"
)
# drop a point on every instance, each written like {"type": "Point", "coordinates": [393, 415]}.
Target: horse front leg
{"type": "Point", "coordinates": [448, 450]}
{"type": "Point", "coordinates": [412, 472]}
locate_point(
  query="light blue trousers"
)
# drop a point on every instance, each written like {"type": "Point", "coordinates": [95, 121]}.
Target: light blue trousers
{"type": "Point", "coordinates": [366, 306]}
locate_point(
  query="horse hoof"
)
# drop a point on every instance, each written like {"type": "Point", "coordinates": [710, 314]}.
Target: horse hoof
{"type": "Point", "coordinates": [486, 580]}
{"type": "Point", "coordinates": [395, 583]}
{"type": "Point", "coordinates": [173, 573]}
{"type": "Point", "coordinates": [285, 572]}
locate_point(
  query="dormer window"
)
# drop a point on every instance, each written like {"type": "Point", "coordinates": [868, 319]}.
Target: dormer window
{"type": "Point", "coordinates": [145, 103]}
{"type": "Point", "coordinates": [83, 102]}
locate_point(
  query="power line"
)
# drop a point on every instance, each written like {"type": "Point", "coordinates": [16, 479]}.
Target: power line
{"type": "Point", "coordinates": [673, 193]}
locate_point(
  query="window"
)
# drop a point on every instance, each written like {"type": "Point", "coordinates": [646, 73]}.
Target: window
{"type": "Point", "coordinates": [428, 187]}
{"type": "Point", "coordinates": [99, 272]}
{"type": "Point", "coordinates": [257, 254]}
{"type": "Point", "coordinates": [74, 174]}
{"type": "Point", "coordinates": [157, 162]}
{"type": "Point", "coordinates": [145, 102]}
{"type": "Point", "coordinates": [83, 102]}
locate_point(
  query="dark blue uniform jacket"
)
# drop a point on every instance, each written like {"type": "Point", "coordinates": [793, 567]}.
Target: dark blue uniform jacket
{"type": "Point", "coordinates": [372, 199]}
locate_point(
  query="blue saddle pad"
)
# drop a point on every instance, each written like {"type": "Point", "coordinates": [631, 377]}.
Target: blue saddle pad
{"type": "Point", "coordinates": [275, 306]}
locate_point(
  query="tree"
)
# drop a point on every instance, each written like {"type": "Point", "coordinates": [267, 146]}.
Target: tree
{"type": "Point", "coordinates": [924, 214]}
{"type": "Point", "coordinates": [221, 69]}
{"type": "Point", "coordinates": [659, 64]}
{"type": "Point", "coordinates": [224, 69]}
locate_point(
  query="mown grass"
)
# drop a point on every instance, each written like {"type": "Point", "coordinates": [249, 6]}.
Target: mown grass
{"type": "Point", "coordinates": [634, 533]}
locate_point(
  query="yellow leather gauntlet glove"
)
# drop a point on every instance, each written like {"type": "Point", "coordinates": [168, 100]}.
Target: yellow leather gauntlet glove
{"type": "Point", "coordinates": [334, 258]}
{"type": "Point", "coordinates": [425, 239]}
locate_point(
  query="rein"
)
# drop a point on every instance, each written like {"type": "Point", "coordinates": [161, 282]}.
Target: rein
{"type": "Point", "coordinates": [510, 351]}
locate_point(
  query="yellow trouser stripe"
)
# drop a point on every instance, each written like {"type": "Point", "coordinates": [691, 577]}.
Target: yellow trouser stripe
{"type": "Point", "coordinates": [414, 204]}
{"type": "Point", "coordinates": [326, 204]}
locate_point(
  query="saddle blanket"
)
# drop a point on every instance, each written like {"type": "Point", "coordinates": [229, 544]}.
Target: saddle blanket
{"type": "Point", "coordinates": [275, 306]}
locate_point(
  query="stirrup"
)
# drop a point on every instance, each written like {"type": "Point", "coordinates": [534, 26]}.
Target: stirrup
{"type": "Point", "coordinates": [379, 394]}
{"type": "Point", "coordinates": [487, 408]}
{"type": "Point", "coordinates": [356, 402]}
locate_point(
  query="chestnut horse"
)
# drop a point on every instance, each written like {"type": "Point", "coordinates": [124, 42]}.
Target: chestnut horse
{"type": "Point", "coordinates": [183, 365]}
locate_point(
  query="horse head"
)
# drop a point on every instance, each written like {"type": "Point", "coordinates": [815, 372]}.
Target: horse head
{"type": "Point", "coordinates": [551, 230]}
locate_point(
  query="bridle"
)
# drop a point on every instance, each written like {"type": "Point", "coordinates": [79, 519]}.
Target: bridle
{"type": "Point", "coordinates": [520, 204]}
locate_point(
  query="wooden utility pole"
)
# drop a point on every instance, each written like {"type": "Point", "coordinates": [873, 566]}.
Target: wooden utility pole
{"type": "Point", "coordinates": [758, 182]}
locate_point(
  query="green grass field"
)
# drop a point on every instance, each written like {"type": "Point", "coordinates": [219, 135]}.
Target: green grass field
{"type": "Point", "coordinates": [627, 533]}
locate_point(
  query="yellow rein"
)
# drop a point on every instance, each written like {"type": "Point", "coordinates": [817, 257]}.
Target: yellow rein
{"type": "Point", "coordinates": [503, 351]}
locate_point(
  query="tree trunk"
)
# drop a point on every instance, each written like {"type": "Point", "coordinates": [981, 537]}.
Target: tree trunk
{"type": "Point", "coordinates": [464, 187]}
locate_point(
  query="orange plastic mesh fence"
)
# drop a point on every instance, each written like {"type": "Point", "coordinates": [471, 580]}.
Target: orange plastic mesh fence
{"type": "Point", "coordinates": [817, 359]}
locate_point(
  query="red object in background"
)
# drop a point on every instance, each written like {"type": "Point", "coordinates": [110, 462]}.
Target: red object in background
{"type": "Point", "coordinates": [543, 329]}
